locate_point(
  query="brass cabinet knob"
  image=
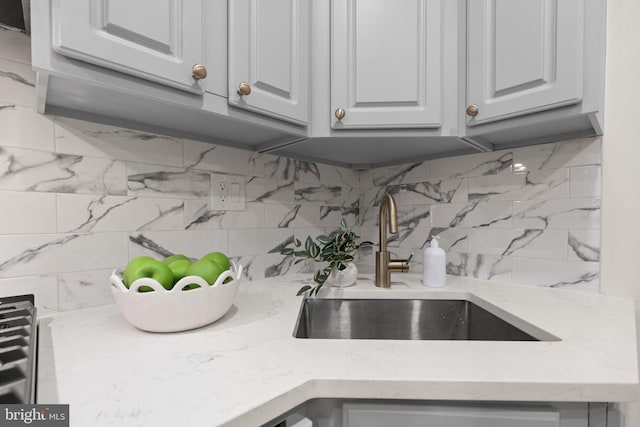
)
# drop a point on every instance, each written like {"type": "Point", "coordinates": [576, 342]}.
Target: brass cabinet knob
{"type": "Point", "coordinates": [244, 89]}
{"type": "Point", "coordinates": [340, 113]}
{"type": "Point", "coordinates": [472, 110]}
{"type": "Point", "coordinates": [199, 72]}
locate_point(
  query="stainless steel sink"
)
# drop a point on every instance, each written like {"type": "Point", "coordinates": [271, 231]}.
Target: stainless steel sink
{"type": "Point", "coordinates": [403, 319]}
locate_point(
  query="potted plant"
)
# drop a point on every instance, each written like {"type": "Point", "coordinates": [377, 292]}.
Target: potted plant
{"type": "Point", "coordinates": [337, 249]}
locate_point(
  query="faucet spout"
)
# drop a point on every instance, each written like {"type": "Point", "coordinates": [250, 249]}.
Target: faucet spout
{"type": "Point", "coordinates": [384, 264]}
{"type": "Point", "coordinates": [388, 210]}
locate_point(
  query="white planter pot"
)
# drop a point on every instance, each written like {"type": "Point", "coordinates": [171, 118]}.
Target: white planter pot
{"type": "Point", "coordinates": [344, 278]}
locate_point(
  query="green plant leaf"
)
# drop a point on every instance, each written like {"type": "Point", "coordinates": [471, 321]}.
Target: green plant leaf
{"type": "Point", "coordinates": [343, 223]}
{"type": "Point", "coordinates": [308, 244]}
{"type": "Point", "coordinates": [320, 277]}
{"type": "Point", "coordinates": [323, 239]}
{"type": "Point", "coordinates": [316, 276]}
{"type": "Point", "coordinates": [326, 251]}
{"type": "Point", "coordinates": [302, 290]}
{"type": "Point", "coordinates": [297, 243]}
{"type": "Point", "coordinates": [286, 251]}
{"type": "Point", "coordinates": [315, 251]}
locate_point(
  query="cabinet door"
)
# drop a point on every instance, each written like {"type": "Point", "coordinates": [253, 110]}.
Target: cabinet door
{"type": "Point", "coordinates": [523, 56]}
{"type": "Point", "coordinates": [269, 50]}
{"type": "Point", "coordinates": [379, 415]}
{"type": "Point", "coordinates": [155, 40]}
{"type": "Point", "coordinates": [386, 63]}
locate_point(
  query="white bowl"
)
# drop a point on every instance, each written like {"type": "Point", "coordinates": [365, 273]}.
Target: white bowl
{"type": "Point", "coordinates": [176, 309]}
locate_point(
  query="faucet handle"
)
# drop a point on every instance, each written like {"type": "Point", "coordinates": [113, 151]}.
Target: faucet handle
{"type": "Point", "coordinates": [400, 265]}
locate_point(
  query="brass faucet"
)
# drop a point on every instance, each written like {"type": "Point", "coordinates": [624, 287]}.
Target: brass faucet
{"type": "Point", "coordinates": [384, 264]}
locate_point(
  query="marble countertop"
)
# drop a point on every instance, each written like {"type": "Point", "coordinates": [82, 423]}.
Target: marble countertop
{"type": "Point", "coordinates": [247, 368]}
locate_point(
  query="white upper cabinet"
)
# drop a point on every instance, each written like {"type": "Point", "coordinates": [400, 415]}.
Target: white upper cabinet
{"type": "Point", "coordinates": [269, 57]}
{"type": "Point", "coordinates": [157, 40]}
{"type": "Point", "coordinates": [386, 64]}
{"type": "Point", "coordinates": [523, 56]}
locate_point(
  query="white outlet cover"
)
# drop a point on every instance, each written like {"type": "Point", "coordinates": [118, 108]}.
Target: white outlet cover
{"type": "Point", "coordinates": [228, 192]}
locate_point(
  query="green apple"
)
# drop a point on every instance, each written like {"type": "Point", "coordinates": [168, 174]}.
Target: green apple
{"type": "Point", "coordinates": [206, 269]}
{"type": "Point", "coordinates": [177, 257]}
{"type": "Point", "coordinates": [219, 258]}
{"type": "Point", "coordinates": [152, 269]}
{"type": "Point", "coordinates": [133, 265]}
{"type": "Point", "coordinates": [179, 264]}
{"type": "Point", "coordinates": [179, 269]}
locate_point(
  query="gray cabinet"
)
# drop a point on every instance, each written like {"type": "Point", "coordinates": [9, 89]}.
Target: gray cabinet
{"type": "Point", "coordinates": [130, 64]}
{"type": "Point", "coordinates": [524, 56]}
{"type": "Point", "coordinates": [156, 41]}
{"type": "Point", "coordinates": [534, 71]}
{"type": "Point", "coordinates": [458, 415]}
{"type": "Point", "coordinates": [402, 72]}
{"type": "Point", "coordinates": [386, 65]}
{"type": "Point", "coordinates": [269, 51]}
{"type": "Point", "coordinates": [328, 412]}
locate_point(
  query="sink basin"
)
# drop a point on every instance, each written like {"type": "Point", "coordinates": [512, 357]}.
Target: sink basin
{"type": "Point", "coordinates": [403, 319]}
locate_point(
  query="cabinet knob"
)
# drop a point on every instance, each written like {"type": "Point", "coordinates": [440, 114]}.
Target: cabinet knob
{"type": "Point", "coordinates": [472, 110]}
{"type": "Point", "coordinates": [199, 72]}
{"type": "Point", "coordinates": [244, 89]}
{"type": "Point", "coordinates": [340, 113]}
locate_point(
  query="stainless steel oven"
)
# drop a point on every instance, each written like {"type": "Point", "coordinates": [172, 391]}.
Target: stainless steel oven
{"type": "Point", "coordinates": [18, 349]}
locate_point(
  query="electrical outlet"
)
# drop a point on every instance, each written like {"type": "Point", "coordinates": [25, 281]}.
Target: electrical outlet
{"type": "Point", "coordinates": [228, 192]}
{"type": "Point", "coordinates": [223, 191]}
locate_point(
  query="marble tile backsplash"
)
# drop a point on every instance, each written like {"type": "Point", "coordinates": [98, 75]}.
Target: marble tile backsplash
{"type": "Point", "coordinates": [527, 215]}
{"type": "Point", "coordinates": [79, 199]}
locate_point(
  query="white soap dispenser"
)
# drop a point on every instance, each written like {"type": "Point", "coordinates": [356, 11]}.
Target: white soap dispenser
{"type": "Point", "coordinates": [435, 264]}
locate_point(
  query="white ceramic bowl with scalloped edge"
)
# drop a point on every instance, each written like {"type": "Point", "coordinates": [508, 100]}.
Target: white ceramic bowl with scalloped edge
{"type": "Point", "coordinates": [176, 309]}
